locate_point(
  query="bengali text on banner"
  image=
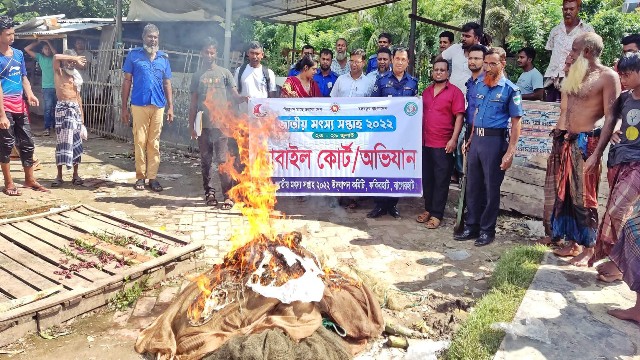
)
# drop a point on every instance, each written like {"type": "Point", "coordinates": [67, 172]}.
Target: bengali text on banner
{"type": "Point", "coordinates": [345, 146]}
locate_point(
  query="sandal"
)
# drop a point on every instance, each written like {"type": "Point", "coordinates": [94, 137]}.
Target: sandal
{"type": "Point", "coordinates": [227, 204]}
{"type": "Point", "coordinates": [433, 223]}
{"type": "Point", "coordinates": [57, 183]}
{"type": "Point", "coordinates": [155, 185]}
{"type": "Point", "coordinates": [37, 187]}
{"type": "Point", "coordinates": [210, 199]}
{"type": "Point", "coordinates": [139, 185]}
{"type": "Point", "coordinates": [77, 181]}
{"type": "Point", "coordinates": [11, 191]}
{"type": "Point", "coordinates": [423, 217]}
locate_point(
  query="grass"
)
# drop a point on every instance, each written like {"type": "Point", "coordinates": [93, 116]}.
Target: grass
{"type": "Point", "coordinates": [514, 272]}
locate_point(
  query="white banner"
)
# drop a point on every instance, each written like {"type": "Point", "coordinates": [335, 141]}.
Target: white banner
{"type": "Point", "coordinates": [346, 146]}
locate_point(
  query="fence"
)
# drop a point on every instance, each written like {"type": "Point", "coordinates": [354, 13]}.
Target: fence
{"type": "Point", "coordinates": [102, 95]}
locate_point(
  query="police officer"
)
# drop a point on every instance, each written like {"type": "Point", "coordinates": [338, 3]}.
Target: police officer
{"type": "Point", "coordinates": [394, 83]}
{"type": "Point", "coordinates": [491, 148]}
{"type": "Point", "coordinates": [384, 41]}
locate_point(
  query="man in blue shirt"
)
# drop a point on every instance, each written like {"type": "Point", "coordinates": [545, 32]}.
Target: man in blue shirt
{"type": "Point", "coordinates": [149, 70]}
{"type": "Point", "coordinates": [384, 41]}
{"type": "Point", "coordinates": [325, 77]}
{"type": "Point", "coordinates": [530, 82]}
{"type": "Point", "coordinates": [394, 83]}
{"type": "Point", "coordinates": [306, 50]}
{"type": "Point", "coordinates": [490, 154]}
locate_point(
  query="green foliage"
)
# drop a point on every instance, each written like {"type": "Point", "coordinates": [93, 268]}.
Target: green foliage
{"type": "Point", "coordinates": [513, 275]}
{"type": "Point", "coordinates": [128, 296]}
{"type": "Point", "coordinates": [612, 25]}
{"type": "Point", "coordinates": [22, 10]}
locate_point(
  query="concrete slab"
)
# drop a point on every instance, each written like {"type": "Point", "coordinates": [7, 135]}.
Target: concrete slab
{"type": "Point", "coordinates": [573, 306]}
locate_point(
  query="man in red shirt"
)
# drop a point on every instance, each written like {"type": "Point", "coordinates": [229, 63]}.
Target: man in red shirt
{"type": "Point", "coordinates": [443, 112]}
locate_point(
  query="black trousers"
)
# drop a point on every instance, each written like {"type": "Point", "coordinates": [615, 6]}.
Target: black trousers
{"type": "Point", "coordinates": [19, 135]}
{"type": "Point", "coordinates": [210, 141]}
{"type": "Point", "coordinates": [436, 169]}
{"type": "Point", "coordinates": [386, 202]}
{"type": "Point", "coordinates": [484, 179]}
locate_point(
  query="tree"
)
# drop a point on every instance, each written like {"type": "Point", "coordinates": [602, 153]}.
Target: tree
{"type": "Point", "coordinates": [22, 10]}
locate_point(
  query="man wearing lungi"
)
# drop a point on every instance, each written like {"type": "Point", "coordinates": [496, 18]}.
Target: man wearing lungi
{"type": "Point", "coordinates": [589, 92]}
{"type": "Point", "coordinates": [626, 255]}
{"type": "Point", "coordinates": [68, 114]}
{"type": "Point", "coordinates": [14, 122]}
{"type": "Point", "coordinates": [623, 167]}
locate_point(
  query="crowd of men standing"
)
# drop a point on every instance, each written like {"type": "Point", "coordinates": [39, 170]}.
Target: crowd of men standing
{"type": "Point", "coordinates": [471, 110]}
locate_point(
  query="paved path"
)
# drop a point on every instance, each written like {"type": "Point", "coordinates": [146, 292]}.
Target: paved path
{"type": "Point", "coordinates": [572, 308]}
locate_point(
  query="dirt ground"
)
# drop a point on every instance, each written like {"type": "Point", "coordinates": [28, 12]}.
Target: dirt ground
{"type": "Point", "coordinates": [427, 280]}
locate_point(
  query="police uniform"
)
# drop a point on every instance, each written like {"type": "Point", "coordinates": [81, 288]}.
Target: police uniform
{"type": "Point", "coordinates": [489, 141]}
{"type": "Point", "coordinates": [372, 64]}
{"type": "Point", "coordinates": [388, 85]}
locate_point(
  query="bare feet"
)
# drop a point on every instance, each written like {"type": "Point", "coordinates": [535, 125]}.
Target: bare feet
{"type": "Point", "coordinates": [632, 314]}
{"type": "Point", "coordinates": [608, 272]}
{"type": "Point", "coordinates": [582, 260]}
{"type": "Point", "coordinates": [572, 249]}
{"type": "Point", "coordinates": [548, 241]}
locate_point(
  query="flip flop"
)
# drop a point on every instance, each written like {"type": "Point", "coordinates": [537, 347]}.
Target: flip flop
{"type": "Point", "coordinates": [227, 204]}
{"type": "Point", "coordinates": [38, 188]}
{"type": "Point", "coordinates": [432, 223]}
{"type": "Point", "coordinates": [210, 199]}
{"type": "Point", "coordinates": [423, 217]}
{"type": "Point", "coordinates": [609, 278]}
{"type": "Point", "coordinates": [11, 191]}
{"type": "Point", "coordinates": [57, 183]}
{"type": "Point", "coordinates": [155, 185]}
{"type": "Point", "coordinates": [139, 185]}
{"type": "Point", "coordinates": [77, 181]}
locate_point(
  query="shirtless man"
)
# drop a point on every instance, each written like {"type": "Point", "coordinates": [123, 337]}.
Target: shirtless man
{"type": "Point", "coordinates": [68, 114]}
{"type": "Point", "coordinates": [589, 93]}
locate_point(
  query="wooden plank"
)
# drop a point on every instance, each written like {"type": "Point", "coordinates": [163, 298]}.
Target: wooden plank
{"type": "Point", "coordinates": [160, 234]}
{"type": "Point", "coordinates": [14, 287]}
{"type": "Point", "coordinates": [130, 255]}
{"type": "Point", "coordinates": [25, 273]}
{"type": "Point", "coordinates": [37, 265]}
{"type": "Point", "coordinates": [36, 216]}
{"type": "Point", "coordinates": [115, 228]}
{"type": "Point", "coordinates": [173, 254]}
{"type": "Point", "coordinates": [45, 251]}
{"type": "Point", "coordinates": [54, 239]}
{"type": "Point", "coordinates": [30, 298]}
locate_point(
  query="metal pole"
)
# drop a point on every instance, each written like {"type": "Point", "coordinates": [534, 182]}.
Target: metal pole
{"type": "Point", "coordinates": [64, 43]}
{"type": "Point", "coordinates": [227, 34]}
{"type": "Point", "coordinates": [412, 38]}
{"type": "Point", "coordinates": [482, 14]}
{"type": "Point", "coordinates": [293, 47]}
{"type": "Point", "coordinates": [118, 22]}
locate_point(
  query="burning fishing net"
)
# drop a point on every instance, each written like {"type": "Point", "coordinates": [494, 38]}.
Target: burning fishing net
{"type": "Point", "coordinates": [270, 294]}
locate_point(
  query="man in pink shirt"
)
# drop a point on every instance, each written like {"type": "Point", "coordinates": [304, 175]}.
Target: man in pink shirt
{"type": "Point", "coordinates": [443, 112]}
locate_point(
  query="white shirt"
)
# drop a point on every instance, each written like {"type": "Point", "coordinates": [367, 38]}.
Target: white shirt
{"type": "Point", "coordinates": [559, 43]}
{"type": "Point", "coordinates": [460, 72]}
{"type": "Point", "coordinates": [336, 68]}
{"type": "Point", "coordinates": [375, 74]}
{"type": "Point", "coordinates": [254, 83]}
{"type": "Point", "coordinates": [346, 86]}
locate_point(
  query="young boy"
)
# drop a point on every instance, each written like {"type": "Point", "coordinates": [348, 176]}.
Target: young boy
{"type": "Point", "coordinates": [68, 114]}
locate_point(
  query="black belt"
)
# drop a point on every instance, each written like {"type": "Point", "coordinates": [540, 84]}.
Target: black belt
{"type": "Point", "coordinates": [490, 131]}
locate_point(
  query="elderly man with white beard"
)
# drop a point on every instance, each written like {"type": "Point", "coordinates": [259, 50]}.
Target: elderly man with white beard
{"type": "Point", "coordinates": [68, 113]}
{"type": "Point", "coordinates": [573, 174]}
{"type": "Point", "coordinates": [149, 70]}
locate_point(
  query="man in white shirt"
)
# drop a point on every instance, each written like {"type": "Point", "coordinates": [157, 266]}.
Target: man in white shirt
{"type": "Point", "coordinates": [559, 43]}
{"type": "Point", "coordinates": [457, 55]}
{"type": "Point", "coordinates": [384, 64]}
{"type": "Point", "coordinates": [355, 83]}
{"type": "Point", "coordinates": [256, 80]}
{"type": "Point", "coordinates": [340, 64]}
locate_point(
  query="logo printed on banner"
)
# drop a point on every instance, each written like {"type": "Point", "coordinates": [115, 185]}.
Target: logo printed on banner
{"type": "Point", "coordinates": [335, 108]}
{"type": "Point", "coordinates": [411, 108]}
{"type": "Point", "coordinates": [257, 111]}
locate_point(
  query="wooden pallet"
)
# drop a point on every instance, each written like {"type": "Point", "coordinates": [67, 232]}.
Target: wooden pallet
{"type": "Point", "coordinates": [35, 249]}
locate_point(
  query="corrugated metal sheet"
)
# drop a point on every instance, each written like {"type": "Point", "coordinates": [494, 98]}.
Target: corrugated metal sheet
{"type": "Point", "coordinates": [65, 27]}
